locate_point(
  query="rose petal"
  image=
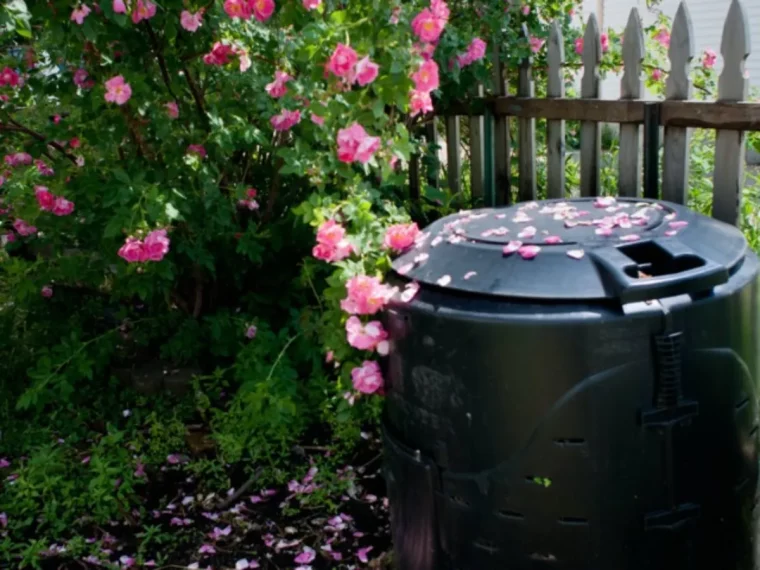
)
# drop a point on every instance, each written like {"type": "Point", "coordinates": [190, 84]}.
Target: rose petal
{"type": "Point", "coordinates": [604, 231]}
{"type": "Point", "coordinates": [470, 274]}
{"type": "Point", "coordinates": [576, 253]}
{"type": "Point", "coordinates": [552, 240]}
{"type": "Point", "coordinates": [671, 233]}
{"type": "Point", "coordinates": [409, 292]}
{"type": "Point", "coordinates": [443, 281]}
{"type": "Point", "coordinates": [529, 251]}
{"type": "Point", "coordinates": [604, 202]}
{"type": "Point", "coordinates": [511, 247]}
{"type": "Point", "coordinates": [527, 232]}
{"type": "Point", "coordinates": [404, 269]}
{"type": "Point", "coordinates": [630, 237]}
{"type": "Point", "coordinates": [678, 224]}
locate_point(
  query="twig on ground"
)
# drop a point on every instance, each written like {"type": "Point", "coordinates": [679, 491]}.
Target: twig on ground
{"type": "Point", "coordinates": [243, 489]}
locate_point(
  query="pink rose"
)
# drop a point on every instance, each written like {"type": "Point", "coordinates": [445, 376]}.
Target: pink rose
{"type": "Point", "coordinates": [43, 168]}
{"type": "Point", "coordinates": [354, 144]}
{"type": "Point", "coordinates": [312, 4]}
{"type": "Point", "coordinates": [119, 7]}
{"type": "Point", "coordinates": [536, 44]}
{"type": "Point", "coordinates": [9, 77]}
{"type": "Point", "coordinates": [709, 58]}
{"type": "Point", "coordinates": [132, 250]}
{"type": "Point", "coordinates": [191, 22]}
{"type": "Point", "coordinates": [476, 50]}
{"type": "Point", "coordinates": [427, 26]}
{"type": "Point", "coordinates": [18, 159]}
{"type": "Point", "coordinates": [80, 77]}
{"type": "Point", "coordinates": [238, 9]}
{"type": "Point", "coordinates": [656, 74]}
{"type": "Point", "coordinates": [366, 71]}
{"type": "Point", "coordinates": [80, 13]}
{"type": "Point", "coordinates": [662, 37]}
{"type": "Point", "coordinates": [62, 206]}
{"type": "Point", "coordinates": [331, 233]}
{"type": "Point", "coordinates": [47, 291]}
{"type": "Point", "coordinates": [605, 41]}
{"type": "Point", "coordinates": [367, 378]}
{"type": "Point", "coordinates": [317, 120]}
{"type": "Point", "coordinates": [144, 10]}
{"type": "Point", "coordinates": [278, 87]}
{"type": "Point", "coordinates": [172, 109]}
{"type": "Point", "coordinates": [400, 237]}
{"type": "Point", "coordinates": [332, 244]}
{"type": "Point", "coordinates": [156, 245]}
{"type": "Point", "coordinates": [262, 9]}
{"type": "Point", "coordinates": [579, 46]}
{"type": "Point", "coordinates": [426, 77]}
{"type": "Point", "coordinates": [366, 295]}
{"type": "Point", "coordinates": [332, 254]}
{"type": "Point", "coordinates": [220, 54]}
{"type": "Point", "coordinates": [45, 198]}
{"type": "Point", "coordinates": [342, 61]}
{"type": "Point", "coordinates": [23, 228]}
{"type": "Point", "coordinates": [198, 149]}
{"type": "Point", "coordinates": [440, 9]}
{"type": "Point", "coordinates": [286, 120]}
{"type": "Point", "coordinates": [117, 90]}
{"type": "Point", "coordinates": [75, 142]}
{"type": "Point", "coordinates": [366, 337]}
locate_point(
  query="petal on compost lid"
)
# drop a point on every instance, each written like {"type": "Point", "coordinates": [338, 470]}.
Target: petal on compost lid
{"type": "Point", "coordinates": [529, 251]}
{"type": "Point", "coordinates": [576, 253]}
{"type": "Point", "coordinates": [512, 247]}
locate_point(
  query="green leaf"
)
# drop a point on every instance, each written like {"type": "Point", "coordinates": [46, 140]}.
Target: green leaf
{"type": "Point", "coordinates": [338, 17]}
{"type": "Point", "coordinates": [171, 212]}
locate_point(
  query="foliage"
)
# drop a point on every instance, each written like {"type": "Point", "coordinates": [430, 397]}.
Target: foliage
{"type": "Point", "coordinates": [166, 311]}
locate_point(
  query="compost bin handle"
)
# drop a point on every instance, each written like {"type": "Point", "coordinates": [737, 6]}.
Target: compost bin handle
{"type": "Point", "coordinates": [626, 277]}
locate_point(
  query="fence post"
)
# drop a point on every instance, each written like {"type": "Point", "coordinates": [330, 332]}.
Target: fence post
{"type": "Point", "coordinates": [501, 143]}
{"type": "Point", "coordinates": [526, 189]}
{"type": "Point", "coordinates": [729, 145]}
{"type": "Point", "coordinates": [631, 87]}
{"type": "Point", "coordinates": [453, 155]}
{"type": "Point", "coordinates": [675, 162]}
{"type": "Point", "coordinates": [652, 150]}
{"type": "Point", "coordinates": [477, 155]}
{"type": "Point", "coordinates": [591, 141]}
{"type": "Point", "coordinates": [555, 130]}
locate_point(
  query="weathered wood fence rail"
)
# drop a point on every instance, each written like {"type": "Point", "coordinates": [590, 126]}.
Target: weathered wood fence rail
{"type": "Point", "coordinates": [490, 115]}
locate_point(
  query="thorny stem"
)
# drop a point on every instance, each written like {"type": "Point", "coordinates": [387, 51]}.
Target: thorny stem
{"type": "Point", "coordinates": [39, 136]}
{"type": "Point", "coordinates": [161, 60]}
{"type": "Point", "coordinates": [197, 97]}
{"type": "Point", "coordinates": [279, 356]}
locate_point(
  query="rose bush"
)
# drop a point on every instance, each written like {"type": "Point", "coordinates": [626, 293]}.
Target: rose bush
{"type": "Point", "coordinates": [215, 187]}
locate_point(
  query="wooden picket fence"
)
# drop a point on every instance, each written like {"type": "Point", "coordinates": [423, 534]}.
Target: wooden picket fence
{"type": "Point", "coordinates": [489, 122]}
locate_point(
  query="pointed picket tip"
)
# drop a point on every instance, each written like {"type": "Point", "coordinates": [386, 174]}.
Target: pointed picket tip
{"type": "Point", "coordinates": [682, 35]}
{"type": "Point", "coordinates": [631, 85]}
{"type": "Point", "coordinates": [736, 34]}
{"type": "Point", "coordinates": [555, 58]}
{"type": "Point", "coordinates": [526, 35]}
{"type": "Point", "coordinates": [734, 47]}
{"type": "Point", "coordinates": [592, 42]}
{"type": "Point", "coordinates": [680, 53]}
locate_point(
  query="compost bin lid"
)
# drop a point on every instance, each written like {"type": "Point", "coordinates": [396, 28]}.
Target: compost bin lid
{"type": "Point", "coordinates": [588, 248]}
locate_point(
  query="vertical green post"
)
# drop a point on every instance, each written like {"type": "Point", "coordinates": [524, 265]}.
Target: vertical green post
{"type": "Point", "coordinates": [489, 186]}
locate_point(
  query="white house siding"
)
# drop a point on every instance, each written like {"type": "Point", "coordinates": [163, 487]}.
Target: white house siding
{"type": "Point", "coordinates": [707, 17]}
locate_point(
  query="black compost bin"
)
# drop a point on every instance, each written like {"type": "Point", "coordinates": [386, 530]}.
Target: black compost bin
{"type": "Point", "coordinates": [592, 408]}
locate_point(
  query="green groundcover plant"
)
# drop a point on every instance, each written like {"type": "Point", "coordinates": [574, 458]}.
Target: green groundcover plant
{"type": "Point", "coordinates": [199, 201]}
